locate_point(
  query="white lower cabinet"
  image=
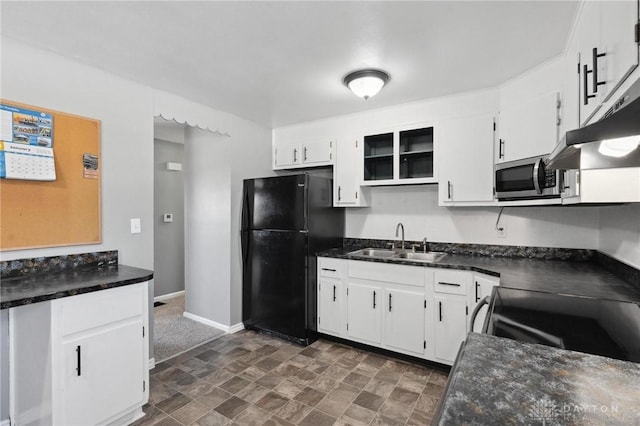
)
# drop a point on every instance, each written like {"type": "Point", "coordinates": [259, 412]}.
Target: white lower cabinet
{"type": "Point", "coordinates": [414, 310]}
{"type": "Point", "coordinates": [404, 320]}
{"type": "Point", "coordinates": [450, 325]}
{"type": "Point", "coordinates": [364, 313]}
{"type": "Point", "coordinates": [86, 355]}
{"type": "Point", "coordinates": [329, 305]}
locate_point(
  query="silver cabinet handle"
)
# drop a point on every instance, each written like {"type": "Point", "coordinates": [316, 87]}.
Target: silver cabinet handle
{"type": "Point", "coordinates": [295, 155]}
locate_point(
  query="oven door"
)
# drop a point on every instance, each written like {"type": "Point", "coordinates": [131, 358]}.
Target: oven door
{"type": "Point", "coordinates": [520, 179]}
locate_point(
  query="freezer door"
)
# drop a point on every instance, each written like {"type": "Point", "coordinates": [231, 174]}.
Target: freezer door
{"type": "Point", "coordinates": [274, 281]}
{"type": "Point", "coordinates": [275, 203]}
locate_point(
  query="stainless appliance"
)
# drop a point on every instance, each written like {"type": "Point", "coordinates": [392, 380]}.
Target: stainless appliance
{"type": "Point", "coordinates": [285, 221]}
{"type": "Point", "coordinates": [527, 179]}
{"type": "Point", "coordinates": [611, 142]}
{"type": "Point", "coordinates": [609, 328]}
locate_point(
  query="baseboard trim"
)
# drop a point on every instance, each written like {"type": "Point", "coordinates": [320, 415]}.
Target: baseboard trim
{"type": "Point", "coordinates": [236, 327]}
{"type": "Point", "coordinates": [206, 321]}
{"type": "Point", "coordinates": [152, 365]}
{"type": "Point", "coordinates": [5, 422]}
{"type": "Point", "coordinates": [165, 297]}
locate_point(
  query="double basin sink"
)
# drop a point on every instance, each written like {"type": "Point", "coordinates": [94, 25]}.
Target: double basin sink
{"type": "Point", "coordinates": [376, 253]}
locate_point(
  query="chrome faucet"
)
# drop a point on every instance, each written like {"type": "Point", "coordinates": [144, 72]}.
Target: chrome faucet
{"type": "Point", "coordinates": [424, 245]}
{"type": "Point", "coordinates": [400, 226]}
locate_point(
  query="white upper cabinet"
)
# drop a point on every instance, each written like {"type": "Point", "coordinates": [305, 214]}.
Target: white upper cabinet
{"type": "Point", "coordinates": [403, 155]}
{"type": "Point", "coordinates": [529, 128]}
{"type": "Point", "coordinates": [606, 41]}
{"type": "Point", "coordinates": [347, 172]}
{"type": "Point", "coordinates": [465, 161]}
{"type": "Point", "coordinates": [292, 155]}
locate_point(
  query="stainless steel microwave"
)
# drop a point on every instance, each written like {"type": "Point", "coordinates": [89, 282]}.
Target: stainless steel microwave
{"type": "Point", "coordinates": [527, 179]}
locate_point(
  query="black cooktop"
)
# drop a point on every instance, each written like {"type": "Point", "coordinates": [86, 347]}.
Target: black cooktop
{"type": "Point", "coordinates": [604, 327]}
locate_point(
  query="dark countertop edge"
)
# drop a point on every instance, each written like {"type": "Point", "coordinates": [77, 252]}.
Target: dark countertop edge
{"type": "Point", "coordinates": [145, 275]}
{"type": "Point", "coordinates": [442, 404]}
{"type": "Point", "coordinates": [438, 264]}
{"type": "Point", "coordinates": [437, 413]}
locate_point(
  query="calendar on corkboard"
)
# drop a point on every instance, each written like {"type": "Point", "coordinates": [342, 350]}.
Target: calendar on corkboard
{"type": "Point", "coordinates": [49, 178]}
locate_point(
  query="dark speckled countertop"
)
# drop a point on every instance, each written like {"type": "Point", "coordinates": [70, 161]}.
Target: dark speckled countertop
{"type": "Point", "coordinates": [34, 288]}
{"type": "Point", "coordinates": [498, 381]}
{"type": "Point", "coordinates": [582, 278]}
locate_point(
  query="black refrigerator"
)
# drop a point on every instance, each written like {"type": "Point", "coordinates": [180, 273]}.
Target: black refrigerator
{"type": "Point", "coordinates": [285, 221]}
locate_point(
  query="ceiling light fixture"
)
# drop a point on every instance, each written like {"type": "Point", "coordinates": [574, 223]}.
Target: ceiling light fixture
{"type": "Point", "coordinates": [366, 83]}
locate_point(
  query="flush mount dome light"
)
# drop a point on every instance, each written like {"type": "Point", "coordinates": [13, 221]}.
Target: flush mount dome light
{"type": "Point", "coordinates": [366, 83]}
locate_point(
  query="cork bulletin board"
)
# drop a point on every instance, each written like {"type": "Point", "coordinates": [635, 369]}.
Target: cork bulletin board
{"type": "Point", "coordinates": [61, 212]}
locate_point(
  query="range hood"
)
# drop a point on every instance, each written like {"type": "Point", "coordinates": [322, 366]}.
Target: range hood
{"type": "Point", "coordinates": [611, 142]}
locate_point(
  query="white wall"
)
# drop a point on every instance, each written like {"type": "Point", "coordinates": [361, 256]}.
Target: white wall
{"type": "Point", "coordinates": [417, 208]}
{"type": "Point", "coordinates": [207, 225]}
{"type": "Point", "coordinates": [126, 112]}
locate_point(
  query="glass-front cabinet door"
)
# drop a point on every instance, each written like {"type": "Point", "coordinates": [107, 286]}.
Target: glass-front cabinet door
{"type": "Point", "coordinates": [402, 156]}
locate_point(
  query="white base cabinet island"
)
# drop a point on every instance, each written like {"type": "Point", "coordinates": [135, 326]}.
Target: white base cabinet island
{"type": "Point", "coordinates": [80, 360]}
{"type": "Point", "coordinates": [414, 310]}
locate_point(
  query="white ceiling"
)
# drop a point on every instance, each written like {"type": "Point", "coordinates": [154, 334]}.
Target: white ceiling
{"type": "Point", "coordinates": [279, 63]}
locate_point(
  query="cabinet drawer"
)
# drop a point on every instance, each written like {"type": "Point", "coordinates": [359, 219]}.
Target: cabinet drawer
{"type": "Point", "coordinates": [452, 282]}
{"type": "Point", "coordinates": [87, 311]}
{"type": "Point", "coordinates": [387, 272]}
{"type": "Point", "coordinates": [331, 268]}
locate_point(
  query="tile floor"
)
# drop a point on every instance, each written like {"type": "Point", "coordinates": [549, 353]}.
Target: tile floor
{"type": "Point", "coordinates": [251, 379]}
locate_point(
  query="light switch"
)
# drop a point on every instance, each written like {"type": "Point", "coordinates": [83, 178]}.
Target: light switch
{"type": "Point", "coordinates": [167, 217]}
{"type": "Point", "coordinates": [136, 227]}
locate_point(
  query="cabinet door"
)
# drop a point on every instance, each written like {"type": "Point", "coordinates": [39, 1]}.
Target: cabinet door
{"type": "Point", "coordinates": [529, 129]}
{"type": "Point", "coordinates": [587, 34]}
{"type": "Point", "coordinates": [364, 312]}
{"type": "Point", "coordinates": [347, 172]}
{"type": "Point", "coordinates": [103, 374]}
{"type": "Point", "coordinates": [482, 288]}
{"type": "Point", "coordinates": [618, 20]}
{"type": "Point", "coordinates": [466, 160]}
{"type": "Point", "coordinates": [450, 325]}
{"type": "Point", "coordinates": [317, 152]}
{"type": "Point", "coordinates": [329, 312]}
{"type": "Point", "coordinates": [404, 320]}
{"type": "Point", "coordinates": [286, 155]}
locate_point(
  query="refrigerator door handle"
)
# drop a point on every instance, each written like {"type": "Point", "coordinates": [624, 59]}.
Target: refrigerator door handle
{"type": "Point", "coordinates": [244, 242]}
{"type": "Point", "coordinates": [247, 214]}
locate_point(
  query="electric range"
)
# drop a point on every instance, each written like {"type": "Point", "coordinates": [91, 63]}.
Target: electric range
{"type": "Point", "coordinates": [604, 327]}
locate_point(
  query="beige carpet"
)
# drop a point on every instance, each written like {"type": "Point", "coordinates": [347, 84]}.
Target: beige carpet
{"type": "Point", "coordinates": [175, 334]}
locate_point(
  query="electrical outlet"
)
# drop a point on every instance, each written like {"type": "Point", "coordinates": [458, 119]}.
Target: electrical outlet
{"type": "Point", "coordinates": [501, 229]}
{"type": "Point", "coordinates": [136, 227]}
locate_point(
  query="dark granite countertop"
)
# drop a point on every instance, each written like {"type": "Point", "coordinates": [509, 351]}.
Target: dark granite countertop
{"type": "Point", "coordinates": [33, 288]}
{"type": "Point", "coordinates": [581, 278]}
{"type": "Point", "coordinates": [497, 381]}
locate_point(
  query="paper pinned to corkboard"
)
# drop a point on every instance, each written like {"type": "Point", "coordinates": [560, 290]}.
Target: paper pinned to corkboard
{"type": "Point", "coordinates": [90, 166]}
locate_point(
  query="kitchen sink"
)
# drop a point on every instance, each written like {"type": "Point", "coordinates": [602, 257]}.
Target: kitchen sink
{"type": "Point", "coordinates": [430, 256]}
{"type": "Point", "coordinates": [373, 252]}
